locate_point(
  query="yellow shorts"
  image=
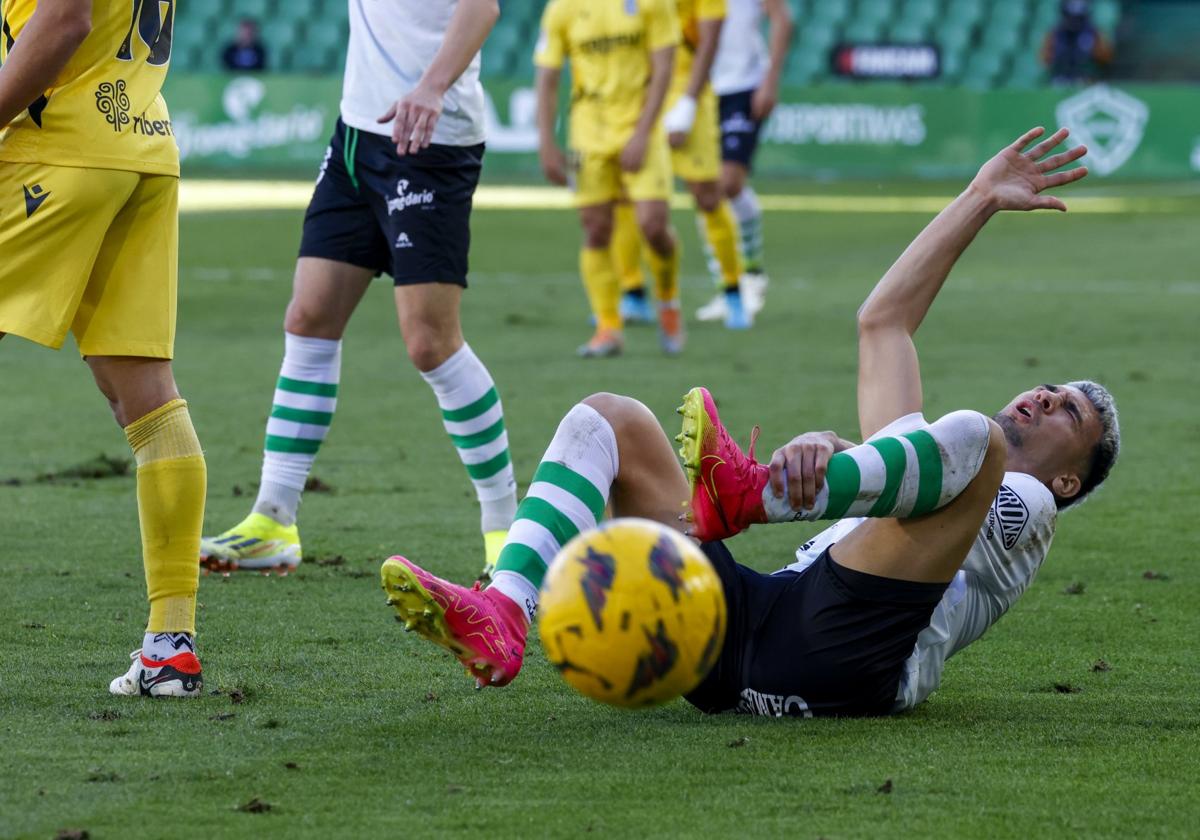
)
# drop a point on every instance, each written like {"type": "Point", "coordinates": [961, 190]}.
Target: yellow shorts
{"type": "Point", "coordinates": [597, 178]}
{"type": "Point", "coordinates": [93, 251]}
{"type": "Point", "coordinates": [699, 159]}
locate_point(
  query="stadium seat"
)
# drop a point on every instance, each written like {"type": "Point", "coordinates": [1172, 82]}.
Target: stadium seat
{"type": "Point", "coordinates": [874, 11]}
{"type": "Point", "coordinates": [1001, 39]}
{"type": "Point", "coordinates": [966, 13]}
{"type": "Point", "coordinates": [805, 66]}
{"type": "Point", "coordinates": [830, 12]}
{"type": "Point", "coordinates": [953, 36]}
{"type": "Point", "coordinates": [863, 31]}
{"type": "Point", "coordinates": [257, 9]}
{"type": "Point", "coordinates": [982, 69]}
{"type": "Point", "coordinates": [923, 12]}
{"type": "Point", "coordinates": [908, 32]}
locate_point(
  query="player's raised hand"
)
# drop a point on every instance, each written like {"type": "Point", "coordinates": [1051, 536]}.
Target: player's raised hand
{"type": "Point", "coordinates": [413, 119]}
{"type": "Point", "coordinates": [1014, 179]}
{"type": "Point", "coordinates": [797, 469]}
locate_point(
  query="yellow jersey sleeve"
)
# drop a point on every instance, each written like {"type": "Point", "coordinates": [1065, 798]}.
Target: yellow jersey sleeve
{"type": "Point", "coordinates": [105, 110]}
{"type": "Point", "coordinates": [710, 9]}
{"type": "Point", "coordinates": [551, 49]}
{"type": "Point", "coordinates": [662, 24]}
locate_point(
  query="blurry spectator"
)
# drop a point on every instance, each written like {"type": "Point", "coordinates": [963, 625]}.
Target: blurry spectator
{"type": "Point", "coordinates": [1074, 49]}
{"type": "Point", "coordinates": [246, 53]}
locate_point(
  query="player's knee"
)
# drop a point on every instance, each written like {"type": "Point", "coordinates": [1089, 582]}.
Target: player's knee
{"type": "Point", "coordinates": [656, 230]}
{"type": "Point", "coordinates": [597, 231]}
{"type": "Point", "coordinates": [309, 321]}
{"type": "Point", "coordinates": [733, 181]}
{"type": "Point", "coordinates": [996, 457]}
{"type": "Point", "coordinates": [707, 195]}
{"type": "Point", "coordinates": [428, 347]}
{"type": "Point", "coordinates": [624, 414]}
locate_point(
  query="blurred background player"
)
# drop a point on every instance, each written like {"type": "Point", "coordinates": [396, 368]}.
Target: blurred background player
{"type": "Point", "coordinates": [393, 195]}
{"type": "Point", "coordinates": [621, 53]}
{"type": "Point", "coordinates": [693, 133]}
{"type": "Point", "coordinates": [745, 77]}
{"type": "Point", "coordinates": [89, 237]}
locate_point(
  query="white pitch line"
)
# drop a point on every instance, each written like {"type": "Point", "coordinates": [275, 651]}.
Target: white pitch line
{"type": "Point", "coordinates": [201, 196]}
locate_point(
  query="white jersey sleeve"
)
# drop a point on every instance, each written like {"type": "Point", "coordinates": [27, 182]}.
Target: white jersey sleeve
{"type": "Point", "coordinates": [742, 56]}
{"type": "Point", "coordinates": [392, 43]}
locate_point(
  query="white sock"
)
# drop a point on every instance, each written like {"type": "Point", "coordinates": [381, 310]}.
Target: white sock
{"type": "Point", "coordinates": [160, 646]}
{"type": "Point", "coordinates": [896, 477]}
{"type": "Point", "coordinates": [568, 495]}
{"type": "Point", "coordinates": [305, 399]}
{"type": "Point", "coordinates": [748, 212]}
{"type": "Point", "coordinates": [474, 419]}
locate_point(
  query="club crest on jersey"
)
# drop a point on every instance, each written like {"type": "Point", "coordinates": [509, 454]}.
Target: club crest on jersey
{"type": "Point", "coordinates": [405, 199]}
{"type": "Point", "coordinates": [631, 7]}
{"type": "Point", "coordinates": [113, 102]}
{"type": "Point", "coordinates": [1010, 514]}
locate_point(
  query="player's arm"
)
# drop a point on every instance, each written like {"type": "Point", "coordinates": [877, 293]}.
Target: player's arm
{"type": "Point", "coordinates": [662, 62]}
{"type": "Point", "coordinates": [889, 377]}
{"type": "Point", "coordinates": [550, 154]}
{"type": "Point", "coordinates": [682, 116]}
{"type": "Point", "coordinates": [781, 25]}
{"type": "Point", "coordinates": [52, 35]}
{"type": "Point", "coordinates": [548, 56]}
{"type": "Point", "coordinates": [414, 116]}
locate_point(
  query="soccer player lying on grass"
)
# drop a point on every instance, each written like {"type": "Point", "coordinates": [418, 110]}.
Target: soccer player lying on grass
{"type": "Point", "coordinates": [942, 525]}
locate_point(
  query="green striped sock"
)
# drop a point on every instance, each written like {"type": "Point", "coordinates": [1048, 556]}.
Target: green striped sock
{"type": "Point", "coordinates": [900, 476]}
{"type": "Point", "coordinates": [568, 495]}
{"type": "Point", "coordinates": [474, 418]}
{"type": "Point", "coordinates": [305, 399]}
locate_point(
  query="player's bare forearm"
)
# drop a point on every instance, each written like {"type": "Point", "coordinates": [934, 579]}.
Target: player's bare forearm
{"type": "Point", "coordinates": [52, 35]}
{"type": "Point", "coordinates": [706, 52]}
{"type": "Point", "coordinates": [662, 62]}
{"type": "Point", "coordinates": [889, 382]}
{"type": "Point", "coordinates": [782, 26]}
{"type": "Point", "coordinates": [468, 29]}
{"type": "Point", "coordinates": [546, 85]}
{"type": "Point", "coordinates": [549, 154]}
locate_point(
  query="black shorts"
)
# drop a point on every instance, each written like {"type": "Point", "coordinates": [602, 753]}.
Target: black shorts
{"type": "Point", "coordinates": [407, 216]}
{"type": "Point", "coordinates": [825, 641]}
{"type": "Point", "coordinates": [739, 131]}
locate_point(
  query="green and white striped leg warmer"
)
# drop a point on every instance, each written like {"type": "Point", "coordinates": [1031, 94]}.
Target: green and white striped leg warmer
{"type": "Point", "coordinates": [748, 212]}
{"type": "Point", "coordinates": [305, 398]}
{"type": "Point", "coordinates": [474, 419]}
{"type": "Point", "coordinates": [896, 477]}
{"type": "Point", "coordinates": [568, 495]}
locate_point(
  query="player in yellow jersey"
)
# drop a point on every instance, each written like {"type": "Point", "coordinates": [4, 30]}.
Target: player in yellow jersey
{"type": "Point", "coordinates": [621, 53]}
{"type": "Point", "coordinates": [693, 128]}
{"type": "Point", "coordinates": [89, 186]}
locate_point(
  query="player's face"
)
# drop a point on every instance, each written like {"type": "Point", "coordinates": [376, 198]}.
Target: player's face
{"type": "Point", "coordinates": [1051, 432]}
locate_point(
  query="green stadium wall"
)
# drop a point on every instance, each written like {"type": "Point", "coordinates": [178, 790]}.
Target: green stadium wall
{"type": "Point", "coordinates": [275, 125]}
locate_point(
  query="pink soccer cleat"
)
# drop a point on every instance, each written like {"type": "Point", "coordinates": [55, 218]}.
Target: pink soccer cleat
{"type": "Point", "coordinates": [727, 483]}
{"type": "Point", "coordinates": [482, 628]}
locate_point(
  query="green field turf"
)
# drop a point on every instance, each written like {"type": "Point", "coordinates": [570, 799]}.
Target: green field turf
{"type": "Point", "coordinates": [1077, 715]}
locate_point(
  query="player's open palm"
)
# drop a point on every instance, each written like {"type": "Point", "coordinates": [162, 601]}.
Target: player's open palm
{"type": "Point", "coordinates": [1014, 179]}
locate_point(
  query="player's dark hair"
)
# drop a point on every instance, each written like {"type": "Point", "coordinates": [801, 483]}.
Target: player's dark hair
{"type": "Point", "coordinates": [1104, 454]}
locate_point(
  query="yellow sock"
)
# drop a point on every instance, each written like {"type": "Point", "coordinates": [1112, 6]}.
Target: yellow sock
{"type": "Point", "coordinates": [627, 247]}
{"type": "Point", "coordinates": [721, 231]}
{"type": "Point", "coordinates": [171, 483]}
{"type": "Point", "coordinates": [665, 271]}
{"type": "Point", "coordinates": [603, 291]}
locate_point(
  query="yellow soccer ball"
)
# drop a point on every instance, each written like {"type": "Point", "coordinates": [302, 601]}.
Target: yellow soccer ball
{"type": "Point", "coordinates": [632, 613]}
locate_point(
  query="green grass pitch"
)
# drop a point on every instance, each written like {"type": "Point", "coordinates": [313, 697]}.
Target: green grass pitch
{"type": "Point", "coordinates": [1077, 715]}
